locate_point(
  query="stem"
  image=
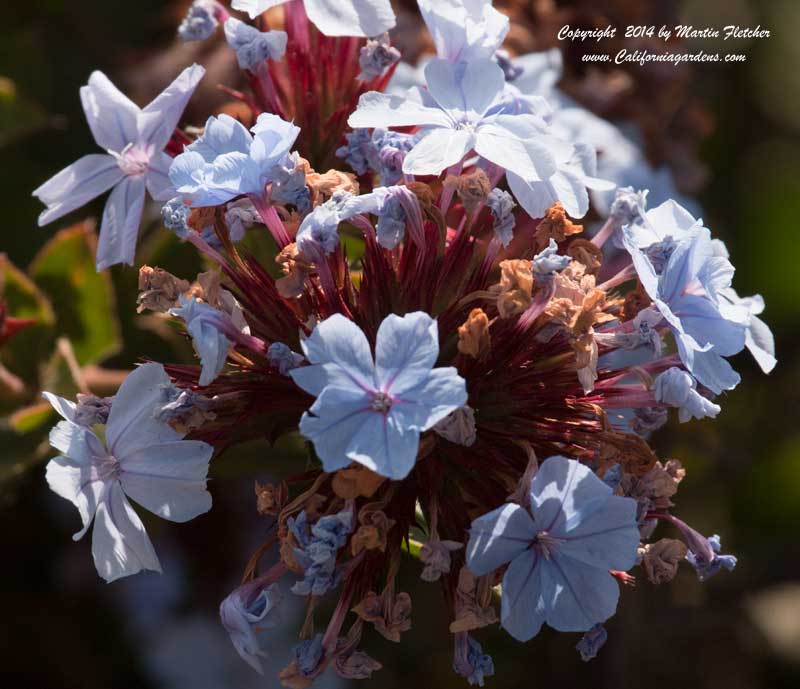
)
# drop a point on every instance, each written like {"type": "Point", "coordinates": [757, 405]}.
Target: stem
{"type": "Point", "coordinates": [272, 220]}
{"type": "Point", "coordinates": [627, 273]}
{"type": "Point", "coordinates": [609, 227]}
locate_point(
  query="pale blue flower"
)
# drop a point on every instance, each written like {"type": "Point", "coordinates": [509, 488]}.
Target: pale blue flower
{"type": "Point", "coordinates": [376, 57]}
{"type": "Point", "coordinates": [317, 550]}
{"type": "Point", "coordinates": [289, 184]}
{"type": "Point", "coordinates": [629, 206]}
{"type": "Point", "coordinates": [477, 665]}
{"type": "Point", "coordinates": [455, 117]}
{"type": "Point", "coordinates": [681, 277]}
{"type": "Point", "coordinates": [706, 563]}
{"type": "Point", "coordinates": [207, 326]}
{"type": "Point", "coordinates": [248, 610]}
{"type": "Point", "coordinates": [319, 231]}
{"type": "Point", "coordinates": [254, 47]}
{"type": "Point", "coordinates": [135, 160]}
{"type": "Point", "coordinates": [383, 151]}
{"type": "Point", "coordinates": [464, 30]}
{"type": "Point", "coordinates": [143, 459]}
{"type": "Point", "coordinates": [175, 216]}
{"type": "Point", "coordinates": [283, 358]}
{"type": "Point", "coordinates": [677, 388]}
{"type": "Point", "coordinates": [358, 151]}
{"type": "Point", "coordinates": [373, 411]}
{"type": "Point", "coordinates": [591, 642]}
{"type": "Point", "coordinates": [548, 261]}
{"type": "Point", "coordinates": [501, 204]}
{"type": "Point", "coordinates": [334, 17]}
{"type": "Point", "coordinates": [228, 161]}
{"type": "Point", "coordinates": [200, 22]}
{"type": "Point", "coordinates": [307, 655]}
{"type": "Point", "coordinates": [560, 552]}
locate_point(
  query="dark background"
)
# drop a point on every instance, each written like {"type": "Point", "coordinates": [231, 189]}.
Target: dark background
{"type": "Point", "coordinates": [64, 628]}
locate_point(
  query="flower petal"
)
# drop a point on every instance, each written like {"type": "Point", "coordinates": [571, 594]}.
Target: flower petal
{"type": "Point", "coordinates": [498, 537]}
{"type": "Point", "coordinates": [577, 596]}
{"type": "Point", "coordinates": [522, 609]}
{"type": "Point", "coordinates": [564, 493]}
{"type": "Point", "coordinates": [338, 341]}
{"type": "Point", "coordinates": [119, 229]}
{"type": "Point", "coordinates": [77, 184]}
{"type": "Point", "coordinates": [255, 7]}
{"type": "Point", "coordinates": [335, 418]}
{"type": "Point", "coordinates": [169, 479]}
{"type": "Point", "coordinates": [73, 481]}
{"type": "Point", "coordinates": [437, 150]}
{"type": "Point", "coordinates": [608, 540]}
{"type": "Point", "coordinates": [518, 147]}
{"type": "Point", "coordinates": [382, 110]}
{"type": "Point", "coordinates": [158, 119]}
{"type": "Point", "coordinates": [120, 545]}
{"type": "Point", "coordinates": [424, 405]}
{"type": "Point", "coordinates": [406, 348]}
{"type": "Point", "coordinates": [351, 17]}
{"type": "Point", "coordinates": [157, 179]}
{"type": "Point", "coordinates": [131, 423]}
{"type": "Point", "coordinates": [110, 113]}
{"type": "Point", "coordinates": [385, 445]}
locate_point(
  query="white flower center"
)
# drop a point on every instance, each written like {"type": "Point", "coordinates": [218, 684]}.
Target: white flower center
{"type": "Point", "coordinates": [107, 468]}
{"type": "Point", "coordinates": [132, 161]}
{"type": "Point", "coordinates": [381, 402]}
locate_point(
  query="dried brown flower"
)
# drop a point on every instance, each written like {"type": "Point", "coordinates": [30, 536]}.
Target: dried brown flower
{"type": "Point", "coordinates": [513, 292]}
{"type": "Point", "coordinates": [661, 559]}
{"type": "Point", "coordinates": [473, 335]}
{"type": "Point", "coordinates": [159, 290]}
{"type": "Point", "coordinates": [555, 225]}
{"type": "Point", "coordinates": [472, 188]}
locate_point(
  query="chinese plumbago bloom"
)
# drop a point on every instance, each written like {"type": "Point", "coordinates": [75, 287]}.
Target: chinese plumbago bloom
{"type": "Point", "coordinates": [142, 458]}
{"type": "Point", "coordinates": [559, 551]}
{"type": "Point", "coordinates": [228, 161]}
{"type": "Point", "coordinates": [682, 277]}
{"type": "Point", "coordinates": [447, 343]}
{"type": "Point", "coordinates": [248, 610]}
{"type": "Point", "coordinates": [372, 411]}
{"type": "Point", "coordinates": [456, 118]}
{"type": "Point", "coordinates": [134, 139]}
{"type": "Point", "coordinates": [334, 17]}
{"type": "Point", "coordinates": [252, 46]}
{"type": "Point", "coordinates": [460, 111]}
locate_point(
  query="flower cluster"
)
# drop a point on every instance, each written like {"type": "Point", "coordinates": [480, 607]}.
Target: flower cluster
{"type": "Point", "coordinates": [475, 374]}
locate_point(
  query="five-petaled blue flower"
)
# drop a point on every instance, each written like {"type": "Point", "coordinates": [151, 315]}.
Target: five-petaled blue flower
{"type": "Point", "coordinates": [560, 551]}
{"type": "Point", "coordinates": [373, 412]}
{"type": "Point", "coordinates": [135, 160]}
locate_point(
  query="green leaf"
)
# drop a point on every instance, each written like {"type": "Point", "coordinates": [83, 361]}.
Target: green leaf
{"type": "Point", "coordinates": [83, 300]}
{"type": "Point", "coordinates": [23, 352]}
{"type": "Point", "coordinates": [32, 418]}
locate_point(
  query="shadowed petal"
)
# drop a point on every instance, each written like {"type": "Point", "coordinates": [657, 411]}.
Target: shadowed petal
{"type": "Point", "coordinates": [120, 545]}
{"type": "Point", "coordinates": [131, 423]}
{"type": "Point", "coordinates": [498, 537]}
{"type": "Point", "coordinates": [437, 150]}
{"type": "Point", "coordinates": [522, 607]}
{"type": "Point", "coordinates": [77, 184]}
{"type": "Point", "coordinates": [119, 229]}
{"type": "Point", "coordinates": [577, 596]}
{"type": "Point", "coordinates": [169, 479]}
